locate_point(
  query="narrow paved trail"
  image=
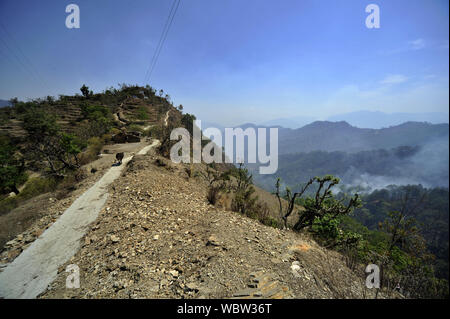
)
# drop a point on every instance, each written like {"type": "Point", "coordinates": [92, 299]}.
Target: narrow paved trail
{"type": "Point", "coordinates": [33, 270]}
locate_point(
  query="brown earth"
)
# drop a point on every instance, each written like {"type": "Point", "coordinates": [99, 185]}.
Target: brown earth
{"type": "Point", "coordinates": [158, 237]}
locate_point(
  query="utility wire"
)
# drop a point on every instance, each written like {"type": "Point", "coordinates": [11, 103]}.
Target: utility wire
{"type": "Point", "coordinates": [160, 39]}
{"type": "Point", "coordinates": [173, 11]}
{"type": "Point", "coordinates": [165, 36]}
{"type": "Point", "coordinates": [23, 59]}
{"type": "Point", "coordinates": [18, 60]}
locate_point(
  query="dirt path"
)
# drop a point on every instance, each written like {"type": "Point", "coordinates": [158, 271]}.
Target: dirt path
{"type": "Point", "coordinates": [33, 270]}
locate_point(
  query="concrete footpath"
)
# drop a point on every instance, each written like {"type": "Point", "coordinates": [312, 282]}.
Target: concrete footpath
{"type": "Point", "coordinates": [36, 267]}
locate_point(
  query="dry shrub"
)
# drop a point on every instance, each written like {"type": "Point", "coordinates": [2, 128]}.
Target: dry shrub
{"type": "Point", "coordinates": [69, 182]}
{"type": "Point", "coordinates": [189, 170]}
{"type": "Point", "coordinates": [261, 212]}
{"type": "Point", "coordinates": [213, 194]}
{"type": "Point", "coordinates": [160, 162]}
{"type": "Point", "coordinates": [94, 148]}
{"type": "Point", "coordinates": [79, 175]}
{"type": "Point", "coordinates": [114, 131]}
{"type": "Point", "coordinates": [225, 201]}
{"type": "Point", "coordinates": [106, 138]}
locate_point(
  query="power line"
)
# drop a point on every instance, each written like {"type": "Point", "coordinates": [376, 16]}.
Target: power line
{"type": "Point", "coordinates": [165, 36]}
{"type": "Point", "coordinates": [23, 60]}
{"type": "Point", "coordinates": [162, 39]}
{"type": "Point", "coordinates": [18, 60]}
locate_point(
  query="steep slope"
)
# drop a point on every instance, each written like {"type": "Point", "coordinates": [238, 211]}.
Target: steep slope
{"type": "Point", "coordinates": [157, 237]}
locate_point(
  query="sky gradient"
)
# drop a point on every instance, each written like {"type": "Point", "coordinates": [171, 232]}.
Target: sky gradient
{"type": "Point", "coordinates": [236, 61]}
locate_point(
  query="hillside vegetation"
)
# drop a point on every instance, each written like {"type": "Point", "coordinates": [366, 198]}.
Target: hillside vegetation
{"type": "Point", "coordinates": [51, 139]}
{"type": "Point", "coordinates": [197, 230]}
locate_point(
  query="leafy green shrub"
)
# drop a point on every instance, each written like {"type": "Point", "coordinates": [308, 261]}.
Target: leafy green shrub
{"type": "Point", "coordinates": [326, 227]}
{"type": "Point", "coordinates": [244, 200]}
{"type": "Point", "coordinates": [94, 112]}
{"type": "Point", "coordinates": [135, 128]}
{"type": "Point", "coordinates": [269, 221]}
{"type": "Point", "coordinates": [39, 124]}
{"type": "Point", "coordinates": [142, 113]}
{"type": "Point", "coordinates": [114, 131]}
{"type": "Point", "coordinates": [95, 145]}
{"type": "Point", "coordinates": [48, 144]}
{"type": "Point", "coordinates": [12, 170]}
{"type": "Point", "coordinates": [106, 138]}
{"type": "Point", "coordinates": [155, 132]}
{"type": "Point", "coordinates": [38, 185]}
{"type": "Point", "coordinates": [99, 117]}
{"type": "Point", "coordinates": [323, 203]}
{"type": "Point", "coordinates": [327, 230]}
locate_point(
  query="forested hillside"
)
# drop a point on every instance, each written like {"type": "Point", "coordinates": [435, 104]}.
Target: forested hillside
{"type": "Point", "coordinates": [431, 213]}
{"type": "Point", "coordinates": [366, 170]}
{"type": "Point", "coordinates": [45, 142]}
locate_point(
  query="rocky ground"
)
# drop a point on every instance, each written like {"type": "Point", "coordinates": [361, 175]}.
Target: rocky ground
{"type": "Point", "coordinates": [157, 237]}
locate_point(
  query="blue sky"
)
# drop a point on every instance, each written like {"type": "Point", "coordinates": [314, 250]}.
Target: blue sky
{"type": "Point", "coordinates": [235, 61]}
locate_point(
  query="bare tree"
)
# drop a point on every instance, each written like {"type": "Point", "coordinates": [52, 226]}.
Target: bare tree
{"type": "Point", "coordinates": [321, 204]}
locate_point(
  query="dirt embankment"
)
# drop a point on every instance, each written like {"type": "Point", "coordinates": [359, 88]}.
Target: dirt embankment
{"type": "Point", "coordinates": [157, 237]}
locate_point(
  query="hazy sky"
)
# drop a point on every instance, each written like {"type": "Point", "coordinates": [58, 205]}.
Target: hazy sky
{"type": "Point", "coordinates": [235, 61]}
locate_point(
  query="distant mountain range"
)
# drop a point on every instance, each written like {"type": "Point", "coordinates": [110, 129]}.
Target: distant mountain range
{"type": "Point", "coordinates": [370, 119]}
{"type": "Point", "coordinates": [294, 122]}
{"type": "Point", "coordinates": [364, 119]}
{"type": "Point", "coordinates": [341, 136]}
{"type": "Point", "coordinates": [409, 153]}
